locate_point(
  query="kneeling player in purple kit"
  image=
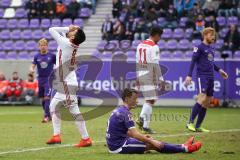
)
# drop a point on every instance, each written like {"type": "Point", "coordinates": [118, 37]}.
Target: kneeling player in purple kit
{"type": "Point", "coordinates": [44, 62]}
{"type": "Point", "coordinates": [203, 57]}
{"type": "Point", "coordinates": [122, 136]}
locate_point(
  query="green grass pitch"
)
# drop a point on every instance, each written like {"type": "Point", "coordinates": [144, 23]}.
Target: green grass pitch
{"type": "Point", "coordinates": [23, 136]}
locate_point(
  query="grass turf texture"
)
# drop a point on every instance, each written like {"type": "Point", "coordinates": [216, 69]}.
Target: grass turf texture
{"type": "Point", "coordinates": [20, 129]}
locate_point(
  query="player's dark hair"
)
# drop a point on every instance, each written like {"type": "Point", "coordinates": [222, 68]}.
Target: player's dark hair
{"type": "Point", "coordinates": [80, 37]}
{"type": "Point", "coordinates": [156, 30]}
{"type": "Point", "coordinates": [31, 75]}
{"type": "Point", "coordinates": [128, 93]}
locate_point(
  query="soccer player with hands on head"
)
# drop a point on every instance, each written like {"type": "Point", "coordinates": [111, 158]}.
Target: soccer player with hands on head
{"type": "Point", "coordinates": [68, 40]}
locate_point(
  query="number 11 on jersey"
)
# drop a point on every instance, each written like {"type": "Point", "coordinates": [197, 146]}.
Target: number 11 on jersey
{"type": "Point", "coordinates": [142, 56]}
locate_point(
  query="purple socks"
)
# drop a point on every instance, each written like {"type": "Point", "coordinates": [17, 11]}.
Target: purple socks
{"type": "Point", "coordinates": [172, 148]}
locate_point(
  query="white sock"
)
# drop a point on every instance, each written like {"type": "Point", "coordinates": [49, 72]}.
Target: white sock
{"type": "Point", "coordinates": [79, 121]}
{"type": "Point", "coordinates": [56, 121]}
{"type": "Point", "coordinates": [146, 114]}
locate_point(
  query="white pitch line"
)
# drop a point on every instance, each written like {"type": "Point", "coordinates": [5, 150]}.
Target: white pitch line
{"type": "Point", "coordinates": [156, 135]}
{"type": "Point", "coordinates": [18, 113]}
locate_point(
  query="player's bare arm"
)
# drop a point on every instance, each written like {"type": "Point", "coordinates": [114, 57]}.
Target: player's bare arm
{"type": "Point", "coordinates": [223, 74]}
{"type": "Point", "coordinates": [133, 132]}
{"type": "Point", "coordinates": [32, 68]}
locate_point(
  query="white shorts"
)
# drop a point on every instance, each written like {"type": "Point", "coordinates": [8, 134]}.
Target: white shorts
{"type": "Point", "coordinates": [59, 100]}
{"type": "Point", "coordinates": [149, 92]}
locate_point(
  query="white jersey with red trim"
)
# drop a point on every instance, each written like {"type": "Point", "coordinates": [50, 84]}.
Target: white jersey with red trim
{"type": "Point", "coordinates": [147, 52]}
{"type": "Point", "coordinates": [148, 69]}
{"type": "Point", "coordinates": [65, 56]}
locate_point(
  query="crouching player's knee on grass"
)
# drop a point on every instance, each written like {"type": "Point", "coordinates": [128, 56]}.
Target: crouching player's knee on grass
{"type": "Point", "coordinates": [122, 136]}
{"type": "Point", "coordinates": [203, 57]}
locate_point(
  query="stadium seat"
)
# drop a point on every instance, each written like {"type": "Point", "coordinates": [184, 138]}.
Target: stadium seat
{"type": "Point", "coordinates": [37, 34]}
{"type": "Point", "coordinates": [52, 45]}
{"type": "Point", "coordinates": [20, 13]}
{"type": "Point", "coordinates": [171, 44]}
{"type": "Point", "coordinates": [56, 23]}
{"type": "Point", "coordinates": [161, 21]}
{"type": "Point", "coordinates": [33, 53]}
{"type": "Point", "coordinates": [221, 21]}
{"type": "Point", "coordinates": [113, 45]}
{"type": "Point", "coordinates": [165, 55]}
{"type": "Point", "coordinates": [34, 23]}
{"type": "Point", "coordinates": [19, 45]}
{"type": "Point", "coordinates": [1, 12]}
{"type": "Point", "coordinates": [96, 52]}
{"type": "Point", "coordinates": [188, 54]}
{"type": "Point", "coordinates": [3, 23]}
{"type": "Point", "coordinates": [232, 20]}
{"type": "Point", "coordinates": [5, 34]}
{"type": "Point", "coordinates": [16, 3]}
{"type": "Point", "coordinates": [223, 32]}
{"type": "Point", "coordinates": [22, 23]}
{"type": "Point", "coordinates": [178, 33]}
{"type": "Point", "coordinates": [85, 13]}
{"type": "Point", "coordinates": [101, 45]}
{"type": "Point", "coordinates": [23, 55]}
{"type": "Point", "coordinates": [118, 52]}
{"type": "Point", "coordinates": [196, 42]}
{"type": "Point", "coordinates": [131, 54]}
{"type": "Point", "coordinates": [107, 54]}
{"type": "Point", "coordinates": [183, 21]}
{"type": "Point", "coordinates": [45, 23]}
{"type": "Point", "coordinates": [26, 34]}
{"type": "Point", "coordinates": [31, 45]}
{"type": "Point", "coordinates": [188, 33]}
{"type": "Point", "coordinates": [178, 54]}
{"type": "Point", "coordinates": [5, 3]}
{"type": "Point", "coordinates": [15, 34]}
{"type": "Point", "coordinates": [1, 45]}
{"type": "Point", "coordinates": [135, 43]}
{"type": "Point", "coordinates": [2, 55]}
{"type": "Point", "coordinates": [12, 23]}
{"type": "Point", "coordinates": [184, 44]}
{"type": "Point", "coordinates": [125, 44]}
{"type": "Point", "coordinates": [9, 13]}
{"type": "Point", "coordinates": [79, 22]}
{"type": "Point", "coordinates": [66, 22]}
{"type": "Point", "coordinates": [167, 33]}
{"type": "Point", "coordinates": [227, 52]}
{"type": "Point", "coordinates": [12, 55]}
{"type": "Point", "coordinates": [219, 44]}
{"type": "Point", "coordinates": [161, 44]}
{"type": "Point", "coordinates": [217, 55]}
{"type": "Point", "coordinates": [237, 54]}
{"type": "Point", "coordinates": [47, 35]}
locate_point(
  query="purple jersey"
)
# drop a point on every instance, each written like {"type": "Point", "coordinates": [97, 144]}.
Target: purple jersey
{"type": "Point", "coordinates": [45, 64]}
{"type": "Point", "coordinates": [203, 56]}
{"type": "Point", "coordinates": [118, 124]}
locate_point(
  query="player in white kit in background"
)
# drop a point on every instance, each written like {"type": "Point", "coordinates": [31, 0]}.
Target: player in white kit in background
{"type": "Point", "coordinates": [149, 76]}
{"type": "Point", "coordinates": [65, 77]}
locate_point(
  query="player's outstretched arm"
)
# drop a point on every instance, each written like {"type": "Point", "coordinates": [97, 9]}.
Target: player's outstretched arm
{"type": "Point", "coordinates": [56, 33]}
{"type": "Point", "coordinates": [132, 132]}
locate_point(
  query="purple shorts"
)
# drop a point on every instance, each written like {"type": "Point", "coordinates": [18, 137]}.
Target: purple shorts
{"type": "Point", "coordinates": [44, 91]}
{"type": "Point", "coordinates": [205, 85]}
{"type": "Point", "coordinates": [133, 146]}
